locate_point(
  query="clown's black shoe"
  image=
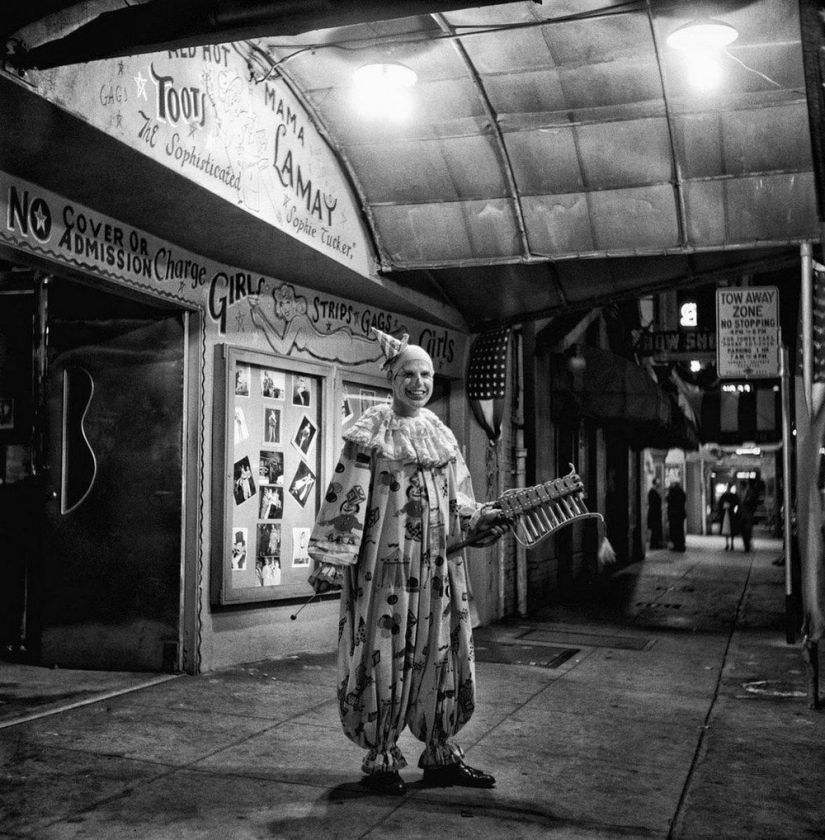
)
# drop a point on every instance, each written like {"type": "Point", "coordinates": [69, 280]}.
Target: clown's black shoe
{"type": "Point", "coordinates": [386, 782]}
{"type": "Point", "coordinates": [460, 774]}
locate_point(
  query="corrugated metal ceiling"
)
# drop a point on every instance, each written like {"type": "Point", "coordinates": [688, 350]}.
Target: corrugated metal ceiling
{"type": "Point", "coordinates": [536, 135]}
{"type": "Point", "coordinates": [557, 155]}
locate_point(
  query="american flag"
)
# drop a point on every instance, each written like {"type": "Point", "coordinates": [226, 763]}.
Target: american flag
{"type": "Point", "coordinates": [487, 373]}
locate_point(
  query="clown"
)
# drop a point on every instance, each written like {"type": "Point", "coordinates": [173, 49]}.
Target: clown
{"type": "Point", "coordinates": [405, 654]}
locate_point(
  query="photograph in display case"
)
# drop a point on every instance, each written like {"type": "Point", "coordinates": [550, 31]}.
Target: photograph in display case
{"type": "Point", "coordinates": [300, 546]}
{"type": "Point", "coordinates": [302, 483]}
{"type": "Point", "coordinates": [268, 570]}
{"type": "Point", "coordinates": [272, 502]}
{"type": "Point", "coordinates": [269, 444]}
{"type": "Point", "coordinates": [272, 425]}
{"type": "Point", "coordinates": [242, 381]}
{"type": "Point", "coordinates": [273, 384]}
{"type": "Point", "coordinates": [305, 436]}
{"type": "Point", "coordinates": [244, 482]}
{"type": "Point", "coordinates": [271, 467]}
{"type": "Point", "coordinates": [241, 427]}
{"type": "Point", "coordinates": [269, 540]}
{"type": "Point", "coordinates": [301, 393]}
{"type": "Point", "coordinates": [239, 546]}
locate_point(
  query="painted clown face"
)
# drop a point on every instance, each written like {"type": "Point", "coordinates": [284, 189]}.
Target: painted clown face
{"type": "Point", "coordinates": [412, 381]}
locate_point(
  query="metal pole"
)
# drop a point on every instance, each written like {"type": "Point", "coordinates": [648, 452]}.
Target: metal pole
{"type": "Point", "coordinates": [810, 648]}
{"type": "Point", "coordinates": [790, 610]}
{"type": "Point", "coordinates": [807, 304]}
{"type": "Point", "coordinates": [520, 461]}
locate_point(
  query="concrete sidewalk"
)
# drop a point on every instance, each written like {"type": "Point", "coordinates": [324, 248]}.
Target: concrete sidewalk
{"type": "Point", "coordinates": [666, 704]}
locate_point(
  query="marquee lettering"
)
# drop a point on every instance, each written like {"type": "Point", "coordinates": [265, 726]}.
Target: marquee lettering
{"type": "Point", "coordinates": [177, 104]}
{"type": "Point", "coordinates": [291, 175]}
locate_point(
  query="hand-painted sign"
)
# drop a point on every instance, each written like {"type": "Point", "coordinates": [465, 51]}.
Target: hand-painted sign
{"type": "Point", "coordinates": [291, 320]}
{"type": "Point", "coordinates": [201, 112]}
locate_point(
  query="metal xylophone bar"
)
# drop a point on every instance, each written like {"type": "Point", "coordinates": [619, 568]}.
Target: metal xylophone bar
{"type": "Point", "coordinates": [536, 512]}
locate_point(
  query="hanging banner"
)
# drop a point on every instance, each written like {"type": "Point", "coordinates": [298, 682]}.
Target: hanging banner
{"type": "Point", "coordinates": [211, 114]}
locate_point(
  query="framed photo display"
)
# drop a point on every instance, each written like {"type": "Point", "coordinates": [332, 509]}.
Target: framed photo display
{"type": "Point", "coordinates": [270, 449]}
{"type": "Point", "coordinates": [358, 393]}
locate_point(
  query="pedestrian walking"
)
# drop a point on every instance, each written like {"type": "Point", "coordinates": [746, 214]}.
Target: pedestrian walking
{"type": "Point", "coordinates": [747, 512]}
{"type": "Point", "coordinates": [654, 515]}
{"type": "Point", "coordinates": [676, 512]}
{"type": "Point", "coordinates": [729, 509]}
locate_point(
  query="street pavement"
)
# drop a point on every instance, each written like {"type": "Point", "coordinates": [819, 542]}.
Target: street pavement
{"type": "Point", "coordinates": [664, 701]}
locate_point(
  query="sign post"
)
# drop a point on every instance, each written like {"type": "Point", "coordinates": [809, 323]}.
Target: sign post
{"type": "Point", "coordinates": [747, 333]}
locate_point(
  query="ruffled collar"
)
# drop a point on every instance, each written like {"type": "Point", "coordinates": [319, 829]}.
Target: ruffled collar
{"type": "Point", "coordinates": [424, 439]}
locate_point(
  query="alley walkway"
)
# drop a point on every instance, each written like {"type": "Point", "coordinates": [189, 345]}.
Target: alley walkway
{"type": "Point", "coordinates": [665, 705]}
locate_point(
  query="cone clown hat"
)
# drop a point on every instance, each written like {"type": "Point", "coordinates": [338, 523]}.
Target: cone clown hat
{"type": "Point", "coordinates": [391, 346]}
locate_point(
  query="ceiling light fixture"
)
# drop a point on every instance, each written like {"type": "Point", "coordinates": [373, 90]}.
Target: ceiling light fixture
{"type": "Point", "coordinates": [700, 44]}
{"type": "Point", "coordinates": [702, 34]}
{"type": "Point", "coordinates": [382, 90]}
{"type": "Point", "coordinates": [385, 75]}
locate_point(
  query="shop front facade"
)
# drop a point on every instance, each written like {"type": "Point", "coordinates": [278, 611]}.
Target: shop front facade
{"type": "Point", "coordinates": [171, 421]}
{"type": "Point", "coordinates": [173, 458]}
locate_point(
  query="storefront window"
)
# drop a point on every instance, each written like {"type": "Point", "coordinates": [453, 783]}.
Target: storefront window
{"type": "Point", "coordinates": [278, 427]}
{"type": "Point", "coordinates": [273, 455]}
{"type": "Point", "coordinates": [357, 397]}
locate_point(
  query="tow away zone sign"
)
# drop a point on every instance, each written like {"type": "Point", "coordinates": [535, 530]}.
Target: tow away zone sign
{"type": "Point", "coordinates": [747, 333]}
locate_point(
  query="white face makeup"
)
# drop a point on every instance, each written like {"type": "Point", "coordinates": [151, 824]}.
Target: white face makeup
{"type": "Point", "coordinates": [412, 382]}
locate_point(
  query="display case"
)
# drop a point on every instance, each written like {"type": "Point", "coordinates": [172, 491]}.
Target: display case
{"type": "Point", "coordinates": [271, 448]}
{"type": "Point", "coordinates": [357, 393]}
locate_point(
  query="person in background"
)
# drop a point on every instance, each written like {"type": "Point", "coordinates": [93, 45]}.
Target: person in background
{"type": "Point", "coordinates": [400, 496]}
{"type": "Point", "coordinates": [747, 511]}
{"type": "Point", "coordinates": [729, 509]}
{"type": "Point", "coordinates": [676, 512]}
{"type": "Point", "coordinates": [654, 515]}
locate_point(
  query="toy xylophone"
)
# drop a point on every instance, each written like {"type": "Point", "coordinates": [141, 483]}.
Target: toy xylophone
{"type": "Point", "coordinates": [534, 513]}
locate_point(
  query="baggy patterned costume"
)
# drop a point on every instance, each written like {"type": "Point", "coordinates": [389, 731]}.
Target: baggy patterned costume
{"type": "Point", "coordinates": [401, 494]}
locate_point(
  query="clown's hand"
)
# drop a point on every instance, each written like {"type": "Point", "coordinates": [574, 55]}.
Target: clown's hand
{"type": "Point", "coordinates": [327, 577]}
{"type": "Point", "coordinates": [490, 527]}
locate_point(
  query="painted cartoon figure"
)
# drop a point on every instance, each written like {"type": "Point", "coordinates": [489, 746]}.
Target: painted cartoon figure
{"type": "Point", "coordinates": [347, 522]}
{"type": "Point", "coordinates": [288, 328]}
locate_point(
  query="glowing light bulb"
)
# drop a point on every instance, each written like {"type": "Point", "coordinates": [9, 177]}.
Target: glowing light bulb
{"type": "Point", "coordinates": [703, 68]}
{"type": "Point", "coordinates": [701, 43]}
{"type": "Point", "coordinates": [702, 34]}
{"type": "Point", "coordinates": [382, 91]}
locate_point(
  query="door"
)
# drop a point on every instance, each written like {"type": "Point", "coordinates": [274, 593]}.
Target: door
{"type": "Point", "coordinates": [107, 594]}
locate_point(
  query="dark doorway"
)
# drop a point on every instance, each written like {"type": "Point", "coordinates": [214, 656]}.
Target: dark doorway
{"type": "Point", "coordinates": [103, 576]}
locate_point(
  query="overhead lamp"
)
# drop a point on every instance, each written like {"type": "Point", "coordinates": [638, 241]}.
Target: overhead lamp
{"type": "Point", "coordinates": [702, 34]}
{"type": "Point", "coordinates": [385, 75]}
{"type": "Point", "coordinates": [383, 90]}
{"type": "Point", "coordinates": [701, 42]}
